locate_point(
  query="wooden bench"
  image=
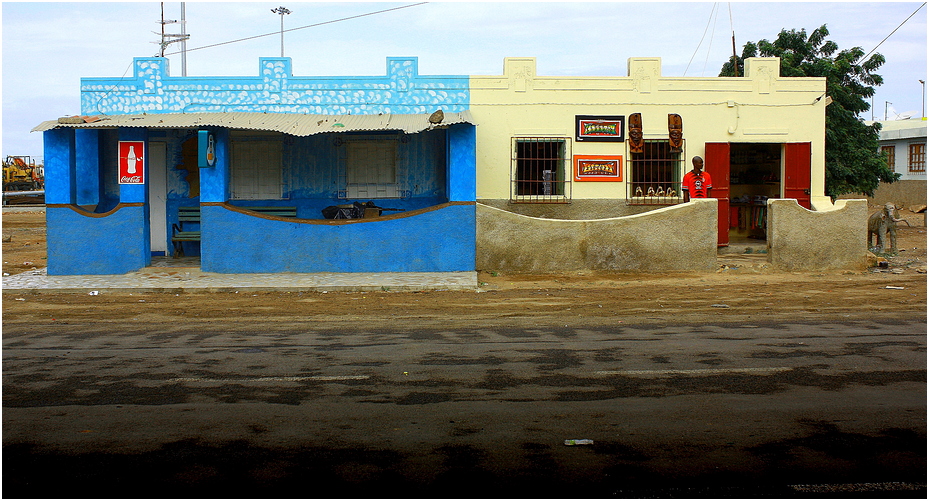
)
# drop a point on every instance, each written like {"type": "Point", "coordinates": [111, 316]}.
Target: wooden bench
{"type": "Point", "coordinates": [192, 215]}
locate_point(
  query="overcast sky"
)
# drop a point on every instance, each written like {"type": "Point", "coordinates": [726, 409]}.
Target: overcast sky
{"type": "Point", "coordinates": [48, 47]}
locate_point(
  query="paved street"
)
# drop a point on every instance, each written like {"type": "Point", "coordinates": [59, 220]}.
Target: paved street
{"type": "Point", "coordinates": [278, 409]}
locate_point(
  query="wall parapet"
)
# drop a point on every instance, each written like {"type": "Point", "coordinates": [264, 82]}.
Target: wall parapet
{"type": "Point", "coordinates": [805, 240]}
{"type": "Point", "coordinates": [676, 238]}
{"type": "Point", "coordinates": [151, 89]}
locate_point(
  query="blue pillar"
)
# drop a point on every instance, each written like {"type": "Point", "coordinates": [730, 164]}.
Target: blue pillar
{"type": "Point", "coordinates": [135, 193]}
{"type": "Point", "coordinates": [462, 163]}
{"type": "Point", "coordinates": [87, 168]}
{"type": "Point", "coordinates": [214, 181]}
{"type": "Point", "coordinates": [139, 252]}
{"type": "Point", "coordinates": [59, 166]}
{"type": "Point", "coordinates": [214, 187]}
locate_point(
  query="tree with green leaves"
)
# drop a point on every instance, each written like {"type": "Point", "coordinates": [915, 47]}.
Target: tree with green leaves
{"type": "Point", "coordinates": [853, 161]}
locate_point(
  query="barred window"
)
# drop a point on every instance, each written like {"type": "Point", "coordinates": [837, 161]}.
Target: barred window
{"type": "Point", "coordinates": [890, 154]}
{"type": "Point", "coordinates": [256, 169]}
{"type": "Point", "coordinates": [917, 161]}
{"type": "Point", "coordinates": [655, 175]}
{"type": "Point", "coordinates": [540, 170]}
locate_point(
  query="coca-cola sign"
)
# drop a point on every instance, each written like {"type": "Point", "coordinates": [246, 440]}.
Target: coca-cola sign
{"type": "Point", "coordinates": [131, 162]}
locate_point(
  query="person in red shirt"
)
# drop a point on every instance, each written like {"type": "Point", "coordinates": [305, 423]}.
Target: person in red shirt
{"type": "Point", "coordinates": [697, 183]}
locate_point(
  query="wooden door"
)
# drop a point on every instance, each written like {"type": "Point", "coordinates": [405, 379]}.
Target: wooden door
{"type": "Point", "coordinates": [797, 162]}
{"type": "Point", "coordinates": [716, 164]}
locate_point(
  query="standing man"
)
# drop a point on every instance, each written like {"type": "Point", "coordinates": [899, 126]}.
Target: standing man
{"type": "Point", "coordinates": [697, 183]}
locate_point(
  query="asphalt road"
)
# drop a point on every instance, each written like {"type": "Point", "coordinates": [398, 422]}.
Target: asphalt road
{"type": "Point", "coordinates": [267, 410]}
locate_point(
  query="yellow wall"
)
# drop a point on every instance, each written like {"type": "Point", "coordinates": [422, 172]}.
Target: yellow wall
{"type": "Point", "coordinates": [761, 107]}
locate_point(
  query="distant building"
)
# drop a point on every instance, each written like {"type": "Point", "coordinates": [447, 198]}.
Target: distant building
{"type": "Point", "coordinates": [903, 142]}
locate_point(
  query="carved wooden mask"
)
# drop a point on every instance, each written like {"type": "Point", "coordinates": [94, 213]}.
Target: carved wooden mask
{"type": "Point", "coordinates": [675, 132]}
{"type": "Point", "coordinates": [636, 142]}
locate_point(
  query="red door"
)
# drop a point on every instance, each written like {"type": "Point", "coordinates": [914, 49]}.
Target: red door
{"type": "Point", "coordinates": [797, 161]}
{"type": "Point", "coordinates": [717, 166]}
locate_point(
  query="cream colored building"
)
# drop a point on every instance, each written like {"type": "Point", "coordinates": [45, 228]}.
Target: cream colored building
{"type": "Point", "coordinates": [760, 124]}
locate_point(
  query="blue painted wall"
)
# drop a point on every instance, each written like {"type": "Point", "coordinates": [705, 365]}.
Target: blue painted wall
{"type": "Point", "coordinates": [81, 244]}
{"type": "Point", "coordinates": [435, 167]}
{"type": "Point", "coordinates": [150, 89]}
{"type": "Point", "coordinates": [437, 240]}
{"type": "Point", "coordinates": [462, 163]}
{"type": "Point", "coordinates": [60, 162]}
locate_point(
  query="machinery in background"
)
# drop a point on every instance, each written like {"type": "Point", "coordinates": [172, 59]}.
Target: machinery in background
{"type": "Point", "coordinates": [20, 173]}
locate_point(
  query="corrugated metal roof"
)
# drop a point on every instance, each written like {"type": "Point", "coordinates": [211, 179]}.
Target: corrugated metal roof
{"type": "Point", "coordinates": [288, 123]}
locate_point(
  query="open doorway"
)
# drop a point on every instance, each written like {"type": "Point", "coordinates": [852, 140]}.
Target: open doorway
{"type": "Point", "coordinates": [755, 176]}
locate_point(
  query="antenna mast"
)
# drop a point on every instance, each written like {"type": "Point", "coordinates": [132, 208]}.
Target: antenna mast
{"type": "Point", "coordinates": [170, 38]}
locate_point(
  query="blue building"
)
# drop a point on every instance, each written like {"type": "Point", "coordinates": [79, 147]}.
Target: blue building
{"type": "Point", "coordinates": [255, 174]}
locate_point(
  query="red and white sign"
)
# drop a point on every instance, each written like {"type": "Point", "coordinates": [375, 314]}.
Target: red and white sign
{"type": "Point", "coordinates": [131, 162]}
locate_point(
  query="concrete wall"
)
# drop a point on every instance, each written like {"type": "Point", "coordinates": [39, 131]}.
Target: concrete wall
{"type": "Point", "coordinates": [680, 237]}
{"type": "Point", "coordinates": [804, 240]}
{"type": "Point", "coordinates": [761, 107]}
{"type": "Point", "coordinates": [903, 193]}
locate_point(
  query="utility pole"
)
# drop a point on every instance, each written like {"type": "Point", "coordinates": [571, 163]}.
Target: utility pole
{"type": "Point", "coordinates": [184, 40]}
{"type": "Point", "coordinates": [923, 82]}
{"type": "Point", "coordinates": [281, 11]}
{"type": "Point", "coordinates": [735, 58]}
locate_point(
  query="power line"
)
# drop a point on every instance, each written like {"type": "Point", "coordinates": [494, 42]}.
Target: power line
{"type": "Point", "coordinates": [709, 46]}
{"type": "Point", "coordinates": [302, 27]}
{"type": "Point", "coordinates": [894, 31]}
{"type": "Point", "coordinates": [712, 11]}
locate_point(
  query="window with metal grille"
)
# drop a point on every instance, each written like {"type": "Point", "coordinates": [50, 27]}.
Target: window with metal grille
{"type": "Point", "coordinates": [890, 154]}
{"type": "Point", "coordinates": [917, 161]}
{"type": "Point", "coordinates": [655, 175]}
{"type": "Point", "coordinates": [371, 169]}
{"type": "Point", "coordinates": [256, 169]}
{"type": "Point", "coordinates": [540, 170]}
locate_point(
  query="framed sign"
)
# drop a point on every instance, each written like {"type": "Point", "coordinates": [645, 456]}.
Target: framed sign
{"type": "Point", "coordinates": [598, 167]}
{"type": "Point", "coordinates": [592, 128]}
{"type": "Point", "coordinates": [131, 162]}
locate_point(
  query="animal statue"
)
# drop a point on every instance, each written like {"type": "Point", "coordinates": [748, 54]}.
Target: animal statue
{"type": "Point", "coordinates": [660, 191]}
{"type": "Point", "coordinates": [882, 223]}
{"type": "Point", "coordinates": [638, 191]}
{"type": "Point", "coordinates": [650, 192]}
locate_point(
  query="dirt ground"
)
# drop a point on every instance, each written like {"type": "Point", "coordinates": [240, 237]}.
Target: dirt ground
{"type": "Point", "coordinates": [742, 288]}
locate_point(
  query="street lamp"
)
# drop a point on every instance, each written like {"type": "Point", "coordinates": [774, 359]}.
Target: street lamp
{"type": "Point", "coordinates": [281, 11]}
{"type": "Point", "coordinates": [923, 82]}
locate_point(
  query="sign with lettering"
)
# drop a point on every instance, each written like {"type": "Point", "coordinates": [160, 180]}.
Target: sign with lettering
{"type": "Point", "coordinates": [131, 162]}
{"type": "Point", "coordinates": [598, 167]}
{"type": "Point", "coordinates": [600, 128]}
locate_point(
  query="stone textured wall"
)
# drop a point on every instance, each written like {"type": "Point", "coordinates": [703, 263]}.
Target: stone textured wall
{"type": "Point", "coordinates": [804, 240]}
{"type": "Point", "coordinates": [680, 237]}
{"type": "Point", "coordinates": [151, 89]}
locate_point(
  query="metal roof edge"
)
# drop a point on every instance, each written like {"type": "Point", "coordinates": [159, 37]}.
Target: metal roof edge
{"type": "Point", "coordinates": [288, 123]}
